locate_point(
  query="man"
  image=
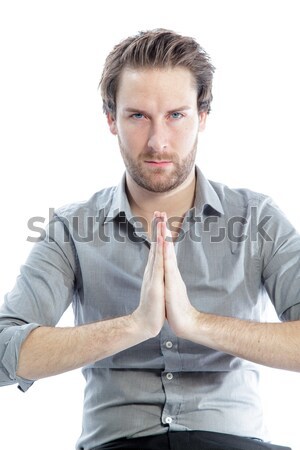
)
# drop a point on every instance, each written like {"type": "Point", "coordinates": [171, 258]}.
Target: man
{"type": "Point", "coordinates": [166, 273]}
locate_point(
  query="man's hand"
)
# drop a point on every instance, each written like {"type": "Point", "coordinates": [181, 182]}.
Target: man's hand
{"type": "Point", "coordinates": [163, 293]}
{"type": "Point", "coordinates": [150, 314]}
{"type": "Point", "coordinates": [164, 296]}
{"type": "Point", "coordinates": [181, 315]}
{"type": "Point", "coordinates": [272, 344]}
{"type": "Point", "coordinates": [49, 351]}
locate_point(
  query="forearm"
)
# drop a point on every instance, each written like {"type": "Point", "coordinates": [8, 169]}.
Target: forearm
{"type": "Point", "coordinates": [49, 351]}
{"type": "Point", "coordinates": [272, 344]}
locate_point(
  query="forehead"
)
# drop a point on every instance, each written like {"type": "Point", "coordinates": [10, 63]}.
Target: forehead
{"type": "Point", "coordinates": [149, 84]}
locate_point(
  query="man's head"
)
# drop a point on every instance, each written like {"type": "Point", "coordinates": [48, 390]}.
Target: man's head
{"type": "Point", "coordinates": [161, 49]}
{"type": "Point", "coordinates": [156, 90]}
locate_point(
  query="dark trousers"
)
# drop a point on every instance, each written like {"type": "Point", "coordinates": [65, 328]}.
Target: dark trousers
{"type": "Point", "coordinates": [190, 440]}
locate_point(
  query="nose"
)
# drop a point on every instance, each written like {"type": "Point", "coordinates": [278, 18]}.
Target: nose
{"type": "Point", "coordinates": [158, 137]}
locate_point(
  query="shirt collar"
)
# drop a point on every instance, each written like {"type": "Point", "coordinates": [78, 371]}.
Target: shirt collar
{"type": "Point", "coordinates": [119, 205]}
{"type": "Point", "coordinates": [206, 200]}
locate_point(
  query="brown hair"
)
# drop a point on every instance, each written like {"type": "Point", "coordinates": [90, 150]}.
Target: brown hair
{"type": "Point", "coordinates": [158, 48]}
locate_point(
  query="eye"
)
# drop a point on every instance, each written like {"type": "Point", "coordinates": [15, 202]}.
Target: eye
{"type": "Point", "coordinates": [176, 115]}
{"type": "Point", "coordinates": [137, 116]}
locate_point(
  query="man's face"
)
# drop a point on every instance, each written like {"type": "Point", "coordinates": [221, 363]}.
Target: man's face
{"type": "Point", "coordinates": [157, 124]}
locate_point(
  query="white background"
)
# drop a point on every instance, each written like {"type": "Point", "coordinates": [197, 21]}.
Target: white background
{"type": "Point", "coordinates": [55, 148]}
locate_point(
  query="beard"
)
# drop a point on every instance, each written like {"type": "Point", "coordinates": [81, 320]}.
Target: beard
{"type": "Point", "coordinates": [159, 179]}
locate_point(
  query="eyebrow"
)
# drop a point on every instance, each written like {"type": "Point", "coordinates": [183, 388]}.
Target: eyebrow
{"type": "Point", "coordinates": [182, 108]}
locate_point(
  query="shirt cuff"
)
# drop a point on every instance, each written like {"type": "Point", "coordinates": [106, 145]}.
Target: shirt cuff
{"type": "Point", "coordinates": [14, 337]}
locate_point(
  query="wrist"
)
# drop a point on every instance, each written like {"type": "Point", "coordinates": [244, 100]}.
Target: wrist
{"type": "Point", "coordinates": [191, 328]}
{"type": "Point", "coordinates": [141, 326]}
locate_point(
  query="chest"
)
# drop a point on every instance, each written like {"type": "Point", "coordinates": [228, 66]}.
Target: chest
{"type": "Point", "coordinates": [218, 279]}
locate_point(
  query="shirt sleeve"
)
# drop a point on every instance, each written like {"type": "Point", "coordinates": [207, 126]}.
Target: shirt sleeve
{"type": "Point", "coordinates": [43, 291]}
{"type": "Point", "coordinates": [280, 258]}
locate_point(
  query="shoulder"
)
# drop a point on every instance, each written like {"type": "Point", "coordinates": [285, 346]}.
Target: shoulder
{"type": "Point", "coordinates": [99, 202]}
{"type": "Point", "coordinates": [238, 200]}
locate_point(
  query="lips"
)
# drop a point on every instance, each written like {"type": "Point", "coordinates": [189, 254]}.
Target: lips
{"type": "Point", "coordinates": [158, 163]}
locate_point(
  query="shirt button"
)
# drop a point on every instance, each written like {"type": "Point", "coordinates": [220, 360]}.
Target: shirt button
{"type": "Point", "coordinates": [169, 344]}
{"type": "Point", "coordinates": [169, 419]}
{"type": "Point", "coordinates": [169, 376]}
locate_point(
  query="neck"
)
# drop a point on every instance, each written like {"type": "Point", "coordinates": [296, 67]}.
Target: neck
{"type": "Point", "coordinates": [175, 203]}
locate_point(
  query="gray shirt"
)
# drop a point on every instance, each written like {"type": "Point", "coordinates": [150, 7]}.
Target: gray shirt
{"type": "Point", "coordinates": [236, 252]}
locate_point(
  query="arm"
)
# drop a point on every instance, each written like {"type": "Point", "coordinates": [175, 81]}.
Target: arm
{"type": "Point", "coordinates": [49, 351]}
{"type": "Point", "coordinates": [272, 344]}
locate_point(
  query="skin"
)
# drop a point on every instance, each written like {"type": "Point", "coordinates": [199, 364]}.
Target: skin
{"type": "Point", "coordinates": [157, 125]}
{"type": "Point", "coordinates": [158, 140]}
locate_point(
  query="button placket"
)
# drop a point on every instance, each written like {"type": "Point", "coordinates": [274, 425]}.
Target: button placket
{"type": "Point", "coordinates": [172, 365]}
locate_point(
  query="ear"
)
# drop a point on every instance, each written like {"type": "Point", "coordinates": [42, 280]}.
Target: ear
{"type": "Point", "coordinates": [202, 120]}
{"type": "Point", "coordinates": [112, 124]}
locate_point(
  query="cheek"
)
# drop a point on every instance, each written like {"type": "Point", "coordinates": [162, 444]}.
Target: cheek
{"type": "Point", "coordinates": [186, 135]}
{"type": "Point", "coordinates": [133, 136]}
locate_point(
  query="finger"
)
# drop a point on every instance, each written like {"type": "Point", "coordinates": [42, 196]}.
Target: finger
{"type": "Point", "coordinates": [170, 260]}
{"type": "Point", "coordinates": [168, 238]}
{"type": "Point", "coordinates": [163, 216]}
{"type": "Point", "coordinates": [152, 251]}
{"type": "Point", "coordinates": [156, 232]}
{"type": "Point", "coordinates": [156, 219]}
{"type": "Point", "coordinates": [158, 264]}
{"type": "Point", "coordinates": [151, 256]}
{"type": "Point", "coordinates": [159, 229]}
{"type": "Point", "coordinates": [168, 233]}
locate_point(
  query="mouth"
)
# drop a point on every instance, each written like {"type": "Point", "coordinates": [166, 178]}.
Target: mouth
{"type": "Point", "coordinates": [158, 163]}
